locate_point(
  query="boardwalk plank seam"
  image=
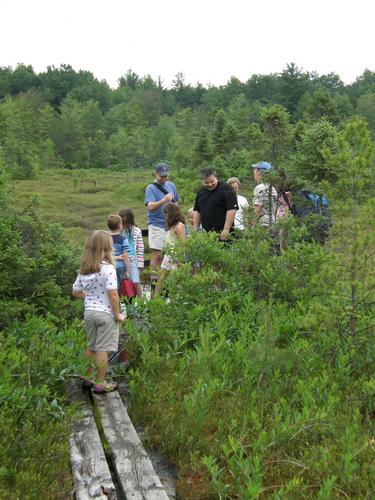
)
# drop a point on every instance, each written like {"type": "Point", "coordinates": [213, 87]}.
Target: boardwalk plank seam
{"type": "Point", "coordinates": [133, 466]}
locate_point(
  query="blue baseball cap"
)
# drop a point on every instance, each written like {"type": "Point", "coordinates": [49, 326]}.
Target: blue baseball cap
{"type": "Point", "coordinates": [263, 165]}
{"type": "Point", "coordinates": [162, 169]}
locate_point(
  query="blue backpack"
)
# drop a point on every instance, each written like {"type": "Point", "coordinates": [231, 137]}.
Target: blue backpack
{"type": "Point", "coordinates": [312, 209]}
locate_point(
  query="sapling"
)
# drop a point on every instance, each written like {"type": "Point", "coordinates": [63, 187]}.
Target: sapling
{"type": "Point", "coordinates": [353, 237]}
{"type": "Point", "coordinates": [277, 131]}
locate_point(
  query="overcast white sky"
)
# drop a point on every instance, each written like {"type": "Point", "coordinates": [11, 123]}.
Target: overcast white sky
{"type": "Point", "coordinates": [207, 40]}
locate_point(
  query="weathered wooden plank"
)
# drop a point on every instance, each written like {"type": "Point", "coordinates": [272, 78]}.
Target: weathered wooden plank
{"type": "Point", "coordinates": [133, 466]}
{"type": "Point", "coordinates": [92, 478]}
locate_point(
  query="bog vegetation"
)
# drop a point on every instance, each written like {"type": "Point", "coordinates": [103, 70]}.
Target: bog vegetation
{"type": "Point", "coordinates": [257, 379]}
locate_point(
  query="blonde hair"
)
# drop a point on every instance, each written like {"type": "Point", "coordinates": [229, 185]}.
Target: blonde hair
{"type": "Point", "coordinates": [234, 180]}
{"type": "Point", "coordinates": [98, 248]}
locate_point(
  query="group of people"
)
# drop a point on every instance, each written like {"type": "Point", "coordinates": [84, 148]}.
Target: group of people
{"type": "Point", "coordinates": [218, 207]}
{"type": "Point", "coordinates": [112, 256]}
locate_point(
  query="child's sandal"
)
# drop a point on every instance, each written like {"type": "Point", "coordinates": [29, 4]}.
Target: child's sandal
{"type": "Point", "coordinates": [106, 387]}
{"type": "Point", "coordinates": [86, 384]}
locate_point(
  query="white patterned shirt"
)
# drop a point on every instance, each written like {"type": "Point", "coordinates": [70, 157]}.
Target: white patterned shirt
{"type": "Point", "coordinates": [95, 286]}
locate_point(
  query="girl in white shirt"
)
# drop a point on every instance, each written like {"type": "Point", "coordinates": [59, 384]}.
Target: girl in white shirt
{"type": "Point", "coordinates": [97, 285]}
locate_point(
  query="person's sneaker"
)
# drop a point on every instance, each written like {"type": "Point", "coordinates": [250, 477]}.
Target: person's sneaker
{"type": "Point", "coordinates": [105, 387]}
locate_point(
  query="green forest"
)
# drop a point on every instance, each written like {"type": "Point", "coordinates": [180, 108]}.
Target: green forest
{"type": "Point", "coordinates": [257, 379]}
{"type": "Point", "coordinates": [64, 118]}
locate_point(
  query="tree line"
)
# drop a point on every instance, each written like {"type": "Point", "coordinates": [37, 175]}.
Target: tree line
{"type": "Point", "coordinates": [67, 118]}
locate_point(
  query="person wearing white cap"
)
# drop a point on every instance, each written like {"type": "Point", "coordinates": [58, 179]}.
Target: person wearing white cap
{"type": "Point", "coordinates": [265, 196]}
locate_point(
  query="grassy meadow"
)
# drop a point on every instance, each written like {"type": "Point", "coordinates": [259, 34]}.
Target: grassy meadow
{"type": "Point", "coordinates": [81, 200]}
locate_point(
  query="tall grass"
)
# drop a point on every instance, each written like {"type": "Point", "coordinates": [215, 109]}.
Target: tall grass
{"type": "Point", "coordinates": [82, 200]}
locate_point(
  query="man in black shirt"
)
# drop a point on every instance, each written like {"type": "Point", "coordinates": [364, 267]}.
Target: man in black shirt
{"type": "Point", "coordinates": [215, 205]}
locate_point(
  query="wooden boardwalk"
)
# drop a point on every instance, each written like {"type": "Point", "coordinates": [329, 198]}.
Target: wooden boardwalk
{"type": "Point", "coordinates": [92, 478]}
{"type": "Point", "coordinates": [133, 466]}
{"type": "Point", "coordinates": [133, 472]}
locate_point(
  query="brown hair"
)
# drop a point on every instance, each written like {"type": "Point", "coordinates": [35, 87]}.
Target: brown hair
{"type": "Point", "coordinates": [114, 222]}
{"type": "Point", "coordinates": [98, 248]}
{"type": "Point", "coordinates": [207, 172]}
{"type": "Point", "coordinates": [127, 217]}
{"type": "Point", "coordinates": [173, 215]}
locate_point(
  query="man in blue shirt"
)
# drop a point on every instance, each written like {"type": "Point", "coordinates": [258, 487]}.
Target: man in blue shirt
{"type": "Point", "coordinates": [157, 194]}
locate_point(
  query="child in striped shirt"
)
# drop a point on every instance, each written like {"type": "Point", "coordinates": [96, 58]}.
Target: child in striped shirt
{"type": "Point", "coordinates": [134, 236]}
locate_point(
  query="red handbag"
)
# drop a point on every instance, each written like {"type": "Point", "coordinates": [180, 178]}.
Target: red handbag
{"type": "Point", "coordinates": [127, 289]}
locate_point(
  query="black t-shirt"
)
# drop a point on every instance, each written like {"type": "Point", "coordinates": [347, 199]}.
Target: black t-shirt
{"type": "Point", "coordinates": [213, 205]}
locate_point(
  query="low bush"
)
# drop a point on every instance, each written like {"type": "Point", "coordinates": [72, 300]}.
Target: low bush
{"type": "Point", "coordinates": [36, 359]}
{"type": "Point", "coordinates": [37, 265]}
{"type": "Point", "coordinates": [251, 374]}
{"type": "Point", "coordinates": [38, 352]}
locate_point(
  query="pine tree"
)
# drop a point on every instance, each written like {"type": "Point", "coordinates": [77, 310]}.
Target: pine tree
{"type": "Point", "coordinates": [203, 149]}
{"type": "Point", "coordinates": [354, 235]}
{"type": "Point", "coordinates": [277, 132]}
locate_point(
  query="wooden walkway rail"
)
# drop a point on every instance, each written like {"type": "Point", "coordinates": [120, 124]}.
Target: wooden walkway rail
{"type": "Point", "coordinates": [134, 474]}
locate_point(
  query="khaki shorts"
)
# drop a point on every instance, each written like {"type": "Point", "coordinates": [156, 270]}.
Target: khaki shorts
{"type": "Point", "coordinates": [156, 237]}
{"type": "Point", "coordinates": [102, 331]}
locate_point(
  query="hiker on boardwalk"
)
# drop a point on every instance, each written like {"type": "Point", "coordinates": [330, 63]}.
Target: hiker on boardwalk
{"type": "Point", "coordinates": [121, 248]}
{"type": "Point", "coordinates": [215, 205]}
{"type": "Point", "coordinates": [175, 223]}
{"type": "Point", "coordinates": [243, 204]}
{"type": "Point", "coordinates": [134, 236]}
{"type": "Point", "coordinates": [265, 196]}
{"type": "Point", "coordinates": [158, 193]}
{"type": "Point", "coordinates": [96, 283]}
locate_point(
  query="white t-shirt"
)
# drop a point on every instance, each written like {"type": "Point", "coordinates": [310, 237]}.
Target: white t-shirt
{"type": "Point", "coordinates": [238, 219]}
{"type": "Point", "coordinates": [261, 197]}
{"type": "Point", "coordinates": [95, 287]}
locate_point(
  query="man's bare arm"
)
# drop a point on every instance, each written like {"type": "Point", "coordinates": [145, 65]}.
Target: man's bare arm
{"type": "Point", "coordinates": [229, 218]}
{"type": "Point", "coordinates": [154, 205]}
